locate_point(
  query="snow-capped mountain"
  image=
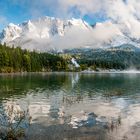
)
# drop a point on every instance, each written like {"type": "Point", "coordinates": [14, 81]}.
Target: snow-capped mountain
{"type": "Point", "coordinates": [53, 33]}
{"type": "Point", "coordinates": [43, 33]}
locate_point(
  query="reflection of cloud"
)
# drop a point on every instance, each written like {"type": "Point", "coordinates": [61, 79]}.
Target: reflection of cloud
{"type": "Point", "coordinates": [121, 103]}
{"type": "Point", "coordinates": [38, 109]}
{"type": "Point", "coordinates": [83, 119]}
{"type": "Point", "coordinates": [35, 109]}
{"type": "Point", "coordinates": [11, 109]}
{"type": "Point", "coordinates": [108, 111]}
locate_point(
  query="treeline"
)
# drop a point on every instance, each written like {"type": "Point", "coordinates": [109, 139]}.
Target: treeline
{"type": "Point", "coordinates": [18, 60]}
{"type": "Point", "coordinates": [102, 64]}
{"type": "Point", "coordinates": [110, 60]}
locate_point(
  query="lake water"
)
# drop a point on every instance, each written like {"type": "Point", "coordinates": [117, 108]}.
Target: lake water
{"type": "Point", "coordinates": [75, 106]}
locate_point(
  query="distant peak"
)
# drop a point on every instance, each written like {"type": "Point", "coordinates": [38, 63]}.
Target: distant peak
{"type": "Point", "coordinates": [11, 24]}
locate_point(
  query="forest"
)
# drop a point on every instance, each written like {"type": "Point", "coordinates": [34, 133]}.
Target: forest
{"type": "Point", "coordinates": [18, 60]}
{"type": "Point", "coordinates": [15, 59]}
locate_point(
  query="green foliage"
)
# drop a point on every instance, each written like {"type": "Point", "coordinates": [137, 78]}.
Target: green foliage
{"type": "Point", "coordinates": [119, 59]}
{"type": "Point", "coordinates": [18, 60]}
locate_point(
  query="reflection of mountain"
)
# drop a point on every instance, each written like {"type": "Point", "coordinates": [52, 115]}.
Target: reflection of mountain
{"type": "Point", "coordinates": [54, 99]}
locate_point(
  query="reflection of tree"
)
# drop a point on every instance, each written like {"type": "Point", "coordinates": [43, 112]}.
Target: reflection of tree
{"type": "Point", "coordinates": [20, 84]}
{"type": "Point", "coordinates": [108, 84]}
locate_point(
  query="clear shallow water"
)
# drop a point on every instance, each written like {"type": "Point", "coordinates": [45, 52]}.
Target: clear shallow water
{"type": "Point", "coordinates": [77, 106]}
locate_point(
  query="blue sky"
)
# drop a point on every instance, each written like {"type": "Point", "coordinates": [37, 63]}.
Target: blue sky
{"type": "Point", "coordinates": [92, 11]}
{"type": "Point", "coordinates": [17, 11]}
{"type": "Point", "coordinates": [12, 12]}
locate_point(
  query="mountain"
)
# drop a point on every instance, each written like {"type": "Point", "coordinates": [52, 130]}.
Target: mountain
{"type": "Point", "coordinates": [42, 34]}
{"type": "Point", "coordinates": [49, 33]}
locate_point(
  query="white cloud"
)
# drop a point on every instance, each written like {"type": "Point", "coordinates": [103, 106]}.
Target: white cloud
{"type": "Point", "coordinates": [84, 6]}
{"type": "Point", "coordinates": [127, 14]}
{"type": "Point", "coordinates": [122, 16]}
{"type": "Point", "coordinates": [79, 37]}
{"type": "Point", "coordinates": [3, 21]}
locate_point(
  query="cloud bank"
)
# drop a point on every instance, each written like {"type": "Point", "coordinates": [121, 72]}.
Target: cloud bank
{"type": "Point", "coordinates": [124, 12]}
{"type": "Point", "coordinates": [122, 18]}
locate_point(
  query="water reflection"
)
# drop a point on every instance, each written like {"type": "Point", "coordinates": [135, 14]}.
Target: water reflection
{"type": "Point", "coordinates": [84, 106]}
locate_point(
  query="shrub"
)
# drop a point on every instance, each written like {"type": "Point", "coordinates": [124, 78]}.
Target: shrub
{"type": "Point", "coordinates": [13, 122]}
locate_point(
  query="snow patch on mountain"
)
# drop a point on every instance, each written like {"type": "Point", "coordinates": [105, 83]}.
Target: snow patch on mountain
{"type": "Point", "coordinates": [10, 33]}
{"type": "Point", "coordinates": [49, 33]}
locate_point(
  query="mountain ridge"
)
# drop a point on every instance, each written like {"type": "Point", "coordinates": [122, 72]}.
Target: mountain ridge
{"type": "Point", "coordinates": [49, 33]}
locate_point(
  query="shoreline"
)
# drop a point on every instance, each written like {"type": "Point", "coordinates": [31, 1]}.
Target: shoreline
{"type": "Point", "coordinates": [81, 72]}
{"type": "Point", "coordinates": [115, 72]}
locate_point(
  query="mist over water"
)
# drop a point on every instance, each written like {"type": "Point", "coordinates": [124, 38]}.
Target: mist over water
{"type": "Point", "coordinates": [77, 106]}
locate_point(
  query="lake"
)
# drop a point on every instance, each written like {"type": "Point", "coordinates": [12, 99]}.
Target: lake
{"type": "Point", "coordinates": [76, 106]}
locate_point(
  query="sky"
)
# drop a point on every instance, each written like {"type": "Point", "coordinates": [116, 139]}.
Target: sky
{"type": "Point", "coordinates": [118, 17]}
{"type": "Point", "coordinates": [92, 11]}
{"type": "Point", "coordinates": [17, 11]}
